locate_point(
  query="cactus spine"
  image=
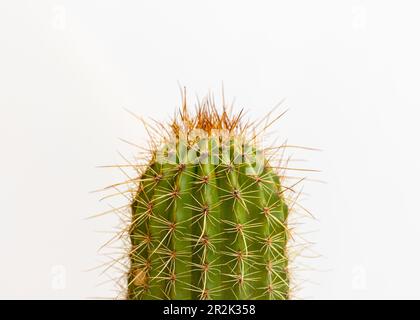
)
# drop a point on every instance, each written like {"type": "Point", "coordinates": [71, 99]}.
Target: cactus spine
{"type": "Point", "coordinates": [209, 219]}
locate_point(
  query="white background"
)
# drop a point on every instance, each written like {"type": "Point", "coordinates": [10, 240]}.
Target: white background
{"type": "Point", "coordinates": [349, 71]}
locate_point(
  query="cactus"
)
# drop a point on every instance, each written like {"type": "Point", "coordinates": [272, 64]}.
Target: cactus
{"type": "Point", "coordinates": [209, 218]}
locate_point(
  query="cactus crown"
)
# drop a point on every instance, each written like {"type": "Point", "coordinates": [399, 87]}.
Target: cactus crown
{"type": "Point", "coordinates": [209, 215]}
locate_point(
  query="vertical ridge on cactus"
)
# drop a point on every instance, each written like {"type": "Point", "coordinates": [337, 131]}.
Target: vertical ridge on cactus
{"type": "Point", "coordinates": [209, 219]}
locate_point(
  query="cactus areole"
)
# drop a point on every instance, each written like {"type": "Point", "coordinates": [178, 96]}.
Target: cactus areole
{"type": "Point", "coordinates": [209, 219]}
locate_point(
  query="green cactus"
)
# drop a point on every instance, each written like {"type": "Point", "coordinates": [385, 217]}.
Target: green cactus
{"type": "Point", "coordinates": [209, 219]}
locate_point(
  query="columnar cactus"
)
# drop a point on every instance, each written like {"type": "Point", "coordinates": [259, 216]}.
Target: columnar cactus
{"type": "Point", "coordinates": [209, 219]}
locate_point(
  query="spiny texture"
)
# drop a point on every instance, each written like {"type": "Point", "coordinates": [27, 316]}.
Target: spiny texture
{"type": "Point", "coordinates": [210, 222]}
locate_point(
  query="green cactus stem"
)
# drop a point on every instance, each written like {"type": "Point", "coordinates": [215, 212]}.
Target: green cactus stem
{"type": "Point", "coordinates": [209, 219]}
